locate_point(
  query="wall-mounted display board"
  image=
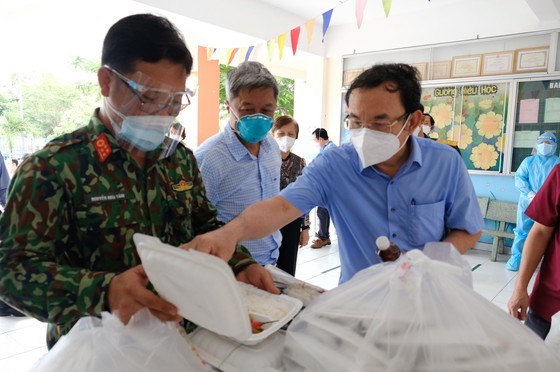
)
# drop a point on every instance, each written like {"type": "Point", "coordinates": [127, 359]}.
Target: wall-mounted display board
{"type": "Point", "coordinates": [537, 111]}
{"type": "Point", "coordinates": [474, 116]}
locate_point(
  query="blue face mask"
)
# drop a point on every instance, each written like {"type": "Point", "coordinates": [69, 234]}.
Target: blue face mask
{"type": "Point", "coordinates": [146, 132]}
{"type": "Point", "coordinates": [253, 128]}
{"type": "Point", "coordinates": [545, 149]}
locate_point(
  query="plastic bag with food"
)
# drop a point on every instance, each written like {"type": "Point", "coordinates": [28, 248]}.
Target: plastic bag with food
{"type": "Point", "coordinates": [145, 344]}
{"type": "Point", "coordinates": [414, 314]}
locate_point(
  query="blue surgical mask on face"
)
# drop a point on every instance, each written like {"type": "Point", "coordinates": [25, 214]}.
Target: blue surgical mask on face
{"type": "Point", "coordinates": [253, 128]}
{"type": "Point", "coordinates": [145, 132]}
{"type": "Point", "coordinates": [546, 149]}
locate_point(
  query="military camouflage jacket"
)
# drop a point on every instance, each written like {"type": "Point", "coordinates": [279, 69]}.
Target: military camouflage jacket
{"type": "Point", "coordinates": [72, 210]}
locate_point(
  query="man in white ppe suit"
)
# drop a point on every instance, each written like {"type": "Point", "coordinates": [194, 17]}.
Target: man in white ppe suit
{"type": "Point", "coordinates": [529, 178]}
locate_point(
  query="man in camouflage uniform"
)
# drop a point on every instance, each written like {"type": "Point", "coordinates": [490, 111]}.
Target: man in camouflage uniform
{"type": "Point", "coordinates": [67, 248]}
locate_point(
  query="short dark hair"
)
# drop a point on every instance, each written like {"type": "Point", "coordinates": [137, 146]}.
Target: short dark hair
{"type": "Point", "coordinates": [284, 120]}
{"type": "Point", "coordinates": [144, 37]}
{"type": "Point", "coordinates": [15, 161]}
{"type": "Point", "coordinates": [321, 133]}
{"type": "Point", "coordinates": [396, 77]}
{"type": "Point", "coordinates": [432, 121]}
{"type": "Point", "coordinates": [249, 75]}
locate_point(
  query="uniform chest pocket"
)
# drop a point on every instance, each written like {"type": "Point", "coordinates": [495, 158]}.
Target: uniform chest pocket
{"type": "Point", "coordinates": [427, 223]}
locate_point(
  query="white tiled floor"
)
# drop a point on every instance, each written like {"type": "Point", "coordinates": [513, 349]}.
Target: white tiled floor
{"type": "Point", "coordinates": [22, 340]}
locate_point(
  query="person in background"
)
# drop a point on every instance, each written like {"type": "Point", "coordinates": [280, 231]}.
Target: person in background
{"type": "Point", "coordinates": [241, 165]}
{"type": "Point", "coordinates": [13, 166]}
{"type": "Point", "coordinates": [383, 182]}
{"type": "Point", "coordinates": [4, 182]}
{"type": "Point", "coordinates": [543, 243]}
{"type": "Point", "coordinates": [296, 233]}
{"type": "Point", "coordinates": [428, 124]}
{"type": "Point", "coordinates": [529, 178]}
{"type": "Point", "coordinates": [321, 137]}
{"type": "Point", "coordinates": [5, 309]}
{"type": "Point", "coordinates": [74, 206]}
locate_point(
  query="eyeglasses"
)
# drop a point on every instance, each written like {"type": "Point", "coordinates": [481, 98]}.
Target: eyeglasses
{"type": "Point", "coordinates": [154, 100]}
{"type": "Point", "coordinates": [382, 126]}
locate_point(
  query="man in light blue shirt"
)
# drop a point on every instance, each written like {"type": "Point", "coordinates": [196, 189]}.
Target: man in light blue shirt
{"type": "Point", "coordinates": [385, 182]}
{"type": "Point", "coordinates": [321, 137]}
{"type": "Point", "coordinates": [241, 165]}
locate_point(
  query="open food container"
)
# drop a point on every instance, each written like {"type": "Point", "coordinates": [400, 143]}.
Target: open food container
{"type": "Point", "coordinates": [205, 291]}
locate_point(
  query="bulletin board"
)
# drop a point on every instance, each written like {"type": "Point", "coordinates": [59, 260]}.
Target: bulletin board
{"type": "Point", "coordinates": [474, 116]}
{"type": "Point", "coordinates": [537, 111]}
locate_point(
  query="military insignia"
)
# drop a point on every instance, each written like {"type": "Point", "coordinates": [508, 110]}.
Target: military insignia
{"type": "Point", "coordinates": [102, 146]}
{"type": "Point", "coordinates": [182, 186]}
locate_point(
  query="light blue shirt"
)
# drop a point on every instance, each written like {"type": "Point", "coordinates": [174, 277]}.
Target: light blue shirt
{"type": "Point", "coordinates": [431, 191]}
{"type": "Point", "coordinates": [235, 179]}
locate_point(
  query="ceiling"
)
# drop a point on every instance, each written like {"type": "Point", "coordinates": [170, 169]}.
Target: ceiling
{"type": "Point", "coordinates": [410, 22]}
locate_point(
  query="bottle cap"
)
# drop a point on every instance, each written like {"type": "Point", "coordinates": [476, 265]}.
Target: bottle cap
{"type": "Point", "coordinates": [382, 242]}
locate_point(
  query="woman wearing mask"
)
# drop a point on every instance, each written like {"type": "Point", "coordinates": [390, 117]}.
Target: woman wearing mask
{"type": "Point", "coordinates": [295, 234]}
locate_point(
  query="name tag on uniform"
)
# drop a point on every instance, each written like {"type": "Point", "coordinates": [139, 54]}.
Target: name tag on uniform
{"type": "Point", "coordinates": [106, 197]}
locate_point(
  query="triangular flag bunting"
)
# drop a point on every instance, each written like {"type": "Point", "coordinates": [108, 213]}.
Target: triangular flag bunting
{"type": "Point", "coordinates": [281, 42]}
{"type": "Point", "coordinates": [248, 53]}
{"type": "Point", "coordinates": [270, 45]}
{"type": "Point", "coordinates": [256, 52]}
{"type": "Point", "coordinates": [231, 55]}
{"type": "Point", "coordinates": [241, 54]}
{"type": "Point", "coordinates": [360, 7]}
{"type": "Point", "coordinates": [387, 6]}
{"type": "Point", "coordinates": [310, 26]}
{"type": "Point", "coordinates": [326, 20]}
{"type": "Point", "coordinates": [294, 35]}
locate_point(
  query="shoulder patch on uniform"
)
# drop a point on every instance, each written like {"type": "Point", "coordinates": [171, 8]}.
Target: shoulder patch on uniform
{"type": "Point", "coordinates": [183, 186]}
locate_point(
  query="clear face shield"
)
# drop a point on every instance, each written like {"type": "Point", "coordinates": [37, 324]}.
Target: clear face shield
{"type": "Point", "coordinates": [144, 112]}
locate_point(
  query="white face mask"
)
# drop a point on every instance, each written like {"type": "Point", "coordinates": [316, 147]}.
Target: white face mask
{"type": "Point", "coordinates": [546, 149]}
{"type": "Point", "coordinates": [285, 143]}
{"type": "Point", "coordinates": [426, 129]}
{"type": "Point", "coordinates": [374, 147]}
{"type": "Point", "coordinates": [416, 131]}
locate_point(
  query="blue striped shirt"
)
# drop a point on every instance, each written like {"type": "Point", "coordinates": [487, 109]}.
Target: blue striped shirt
{"type": "Point", "coordinates": [235, 179]}
{"type": "Point", "coordinates": [431, 191]}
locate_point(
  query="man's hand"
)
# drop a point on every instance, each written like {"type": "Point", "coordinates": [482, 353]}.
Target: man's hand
{"type": "Point", "coordinates": [215, 243]}
{"type": "Point", "coordinates": [128, 293]}
{"type": "Point", "coordinates": [518, 304]}
{"type": "Point", "coordinates": [258, 276]}
{"type": "Point", "coordinates": [304, 238]}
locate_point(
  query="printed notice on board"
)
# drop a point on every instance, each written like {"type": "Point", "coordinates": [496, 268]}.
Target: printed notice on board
{"type": "Point", "coordinates": [529, 111]}
{"type": "Point", "coordinates": [552, 110]}
{"type": "Point", "coordinates": [526, 139]}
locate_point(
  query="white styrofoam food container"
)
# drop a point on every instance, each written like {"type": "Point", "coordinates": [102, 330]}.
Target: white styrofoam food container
{"type": "Point", "coordinates": [206, 292]}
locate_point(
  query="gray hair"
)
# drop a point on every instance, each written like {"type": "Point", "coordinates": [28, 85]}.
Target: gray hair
{"type": "Point", "coordinates": [250, 75]}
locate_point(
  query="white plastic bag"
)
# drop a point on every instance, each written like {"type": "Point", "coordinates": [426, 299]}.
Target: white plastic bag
{"type": "Point", "coordinates": [415, 314]}
{"type": "Point", "coordinates": [553, 337]}
{"type": "Point", "coordinates": [145, 344]}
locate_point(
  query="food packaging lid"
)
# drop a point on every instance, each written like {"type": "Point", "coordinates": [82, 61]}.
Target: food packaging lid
{"type": "Point", "coordinates": [205, 291]}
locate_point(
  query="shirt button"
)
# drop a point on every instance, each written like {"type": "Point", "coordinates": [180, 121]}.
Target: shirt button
{"type": "Point", "coordinates": [393, 209]}
{"type": "Point", "coordinates": [392, 182]}
{"type": "Point", "coordinates": [394, 235]}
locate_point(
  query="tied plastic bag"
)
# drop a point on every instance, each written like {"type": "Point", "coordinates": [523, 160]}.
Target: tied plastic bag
{"type": "Point", "coordinates": [414, 314]}
{"type": "Point", "coordinates": [145, 344]}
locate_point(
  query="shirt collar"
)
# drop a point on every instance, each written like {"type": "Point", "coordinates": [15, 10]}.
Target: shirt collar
{"type": "Point", "coordinates": [238, 151]}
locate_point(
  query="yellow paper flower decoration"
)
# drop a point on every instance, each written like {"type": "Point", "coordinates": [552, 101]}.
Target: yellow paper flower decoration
{"type": "Point", "coordinates": [501, 143]}
{"type": "Point", "coordinates": [463, 137]}
{"type": "Point", "coordinates": [485, 104]}
{"type": "Point", "coordinates": [442, 114]}
{"type": "Point", "coordinates": [484, 156]}
{"type": "Point", "coordinates": [490, 125]}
